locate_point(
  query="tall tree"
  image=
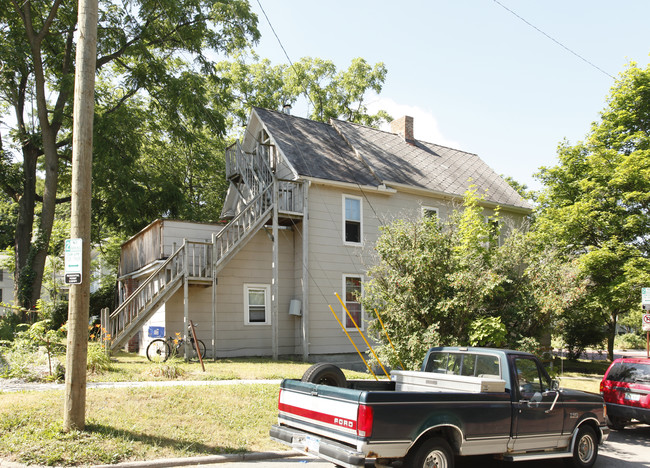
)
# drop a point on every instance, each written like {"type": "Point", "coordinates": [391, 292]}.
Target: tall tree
{"type": "Point", "coordinates": [152, 50]}
{"type": "Point", "coordinates": [329, 93]}
{"type": "Point", "coordinates": [596, 201]}
{"type": "Point", "coordinates": [450, 282]}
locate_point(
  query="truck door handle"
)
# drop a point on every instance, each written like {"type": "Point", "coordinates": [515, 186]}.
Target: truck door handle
{"type": "Point", "coordinates": [557, 395]}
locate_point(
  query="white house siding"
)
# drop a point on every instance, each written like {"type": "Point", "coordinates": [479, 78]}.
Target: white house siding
{"type": "Point", "coordinates": [174, 232]}
{"type": "Point", "coordinates": [6, 288]}
{"type": "Point", "coordinates": [330, 258]}
{"type": "Point", "coordinates": [252, 265]}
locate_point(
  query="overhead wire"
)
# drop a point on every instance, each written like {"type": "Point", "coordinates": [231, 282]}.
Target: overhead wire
{"type": "Point", "coordinates": [290, 129]}
{"type": "Point", "coordinates": [553, 39]}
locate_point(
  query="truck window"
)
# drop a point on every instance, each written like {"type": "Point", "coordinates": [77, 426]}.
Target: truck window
{"type": "Point", "coordinates": [488, 366]}
{"type": "Point", "coordinates": [437, 362]}
{"type": "Point", "coordinates": [469, 365]}
{"type": "Point", "coordinates": [529, 377]}
{"type": "Point", "coordinates": [454, 363]}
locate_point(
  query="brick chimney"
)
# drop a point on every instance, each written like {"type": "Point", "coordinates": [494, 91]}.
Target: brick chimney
{"type": "Point", "coordinates": [404, 127]}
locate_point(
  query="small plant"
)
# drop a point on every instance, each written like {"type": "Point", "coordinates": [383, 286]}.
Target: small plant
{"type": "Point", "coordinates": [170, 369]}
{"type": "Point", "coordinates": [98, 361]}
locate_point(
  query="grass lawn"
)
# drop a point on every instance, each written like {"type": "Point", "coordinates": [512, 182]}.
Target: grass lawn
{"type": "Point", "coordinates": [129, 367]}
{"type": "Point", "coordinates": [129, 424]}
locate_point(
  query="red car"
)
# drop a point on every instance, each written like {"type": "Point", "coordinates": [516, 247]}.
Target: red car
{"type": "Point", "coordinates": [626, 391]}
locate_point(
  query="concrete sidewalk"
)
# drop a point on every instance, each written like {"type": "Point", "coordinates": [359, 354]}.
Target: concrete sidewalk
{"type": "Point", "coordinates": [17, 385]}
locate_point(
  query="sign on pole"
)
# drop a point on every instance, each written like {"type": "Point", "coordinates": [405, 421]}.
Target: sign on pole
{"type": "Point", "coordinates": [73, 261]}
{"type": "Point", "coordinates": [645, 298]}
{"type": "Point", "coordinates": [646, 322]}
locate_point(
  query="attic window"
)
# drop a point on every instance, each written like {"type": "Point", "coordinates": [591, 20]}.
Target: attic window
{"type": "Point", "coordinates": [352, 220]}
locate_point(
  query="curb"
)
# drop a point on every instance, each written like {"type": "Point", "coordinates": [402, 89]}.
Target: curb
{"type": "Point", "coordinates": [205, 460]}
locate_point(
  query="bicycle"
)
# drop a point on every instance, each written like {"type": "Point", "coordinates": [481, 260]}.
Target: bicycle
{"type": "Point", "coordinates": [160, 349]}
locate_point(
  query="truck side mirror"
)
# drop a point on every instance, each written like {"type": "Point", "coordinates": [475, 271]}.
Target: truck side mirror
{"type": "Point", "coordinates": [555, 385]}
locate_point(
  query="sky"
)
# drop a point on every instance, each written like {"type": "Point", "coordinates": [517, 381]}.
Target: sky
{"type": "Point", "coordinates": [508, 80]}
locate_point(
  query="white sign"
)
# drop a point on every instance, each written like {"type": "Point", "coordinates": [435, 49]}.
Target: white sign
{"type": "Point", "coordinates": [645, 295]}
{"type": "Point", "coordinates": [646, 322]}
{"type": "Point", "coordinates": [73, 261]}
{"type": "Point", "coordinates": [645, 298]}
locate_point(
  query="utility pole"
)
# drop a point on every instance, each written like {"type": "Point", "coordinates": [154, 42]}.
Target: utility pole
{"type": "Point", "coordinates": [74, 405]}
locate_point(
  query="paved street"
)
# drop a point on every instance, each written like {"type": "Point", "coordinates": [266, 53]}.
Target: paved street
{"type": "Point", "coordinates": [624, 449]}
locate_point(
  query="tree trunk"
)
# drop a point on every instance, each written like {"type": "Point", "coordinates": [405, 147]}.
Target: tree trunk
{"type": "Point", "coordinates": [24, 225]}
{"type": "Point", "coordinates": [74, 411]}
{"type": "Point", "coordinates": [611, 336]}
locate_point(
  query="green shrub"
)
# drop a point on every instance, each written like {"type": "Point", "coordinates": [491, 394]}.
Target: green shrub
{"type": "Point", "coordinates": [630, 341]}
{"type": "Point", "coordinates": [98, 361]}
{"type": "Point", "coordinates": [8, 324]}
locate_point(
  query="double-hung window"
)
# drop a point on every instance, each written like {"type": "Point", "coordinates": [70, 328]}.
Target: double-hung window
{"type": "Point", "coordinates": [352, 220]}
{"type": "Point", "coordinates": [352, 285]}
{"type": "Point", "coordinates": [257, 308]}
{"type": "Point", "coordinates": [430, 212]}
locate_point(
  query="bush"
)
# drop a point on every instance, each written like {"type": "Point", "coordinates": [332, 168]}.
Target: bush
{"type": "Point", "coordinates": [630, 341]}
{"type": "Point", "coordinates": [98, 361]}
{"type": "Point", "coordinates": [8, 324]}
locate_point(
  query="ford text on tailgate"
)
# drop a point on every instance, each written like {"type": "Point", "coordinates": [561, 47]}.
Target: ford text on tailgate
{"type": "Point", "coordinates": [464, 401]}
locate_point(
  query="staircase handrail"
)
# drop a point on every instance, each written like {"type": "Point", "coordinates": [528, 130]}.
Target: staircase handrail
{"type": "Point", "coordinates": [240, 225]}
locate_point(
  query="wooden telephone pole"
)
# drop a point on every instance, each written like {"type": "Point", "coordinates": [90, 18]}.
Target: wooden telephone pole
{"type": "Point", "coordinates": [74, 409]}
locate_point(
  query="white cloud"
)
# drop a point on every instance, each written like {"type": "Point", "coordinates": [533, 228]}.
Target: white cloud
{"type": "Point", "coordinates": [425, 125]}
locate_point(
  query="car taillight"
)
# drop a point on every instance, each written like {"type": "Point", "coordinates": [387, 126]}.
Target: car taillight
{"type": "Point", "coordinates": [365, 416]}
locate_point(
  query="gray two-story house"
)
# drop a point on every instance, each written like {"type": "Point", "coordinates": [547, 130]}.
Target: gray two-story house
{"type": "Point", "coordinates": [303, 210]}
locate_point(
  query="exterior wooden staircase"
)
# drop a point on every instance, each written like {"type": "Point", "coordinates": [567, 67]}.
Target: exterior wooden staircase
{"type": "Point", "coordinates": [201, 261]}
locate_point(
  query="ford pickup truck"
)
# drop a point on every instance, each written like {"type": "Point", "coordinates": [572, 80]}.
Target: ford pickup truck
{"type": "Point", "coordinates": [464, 401]}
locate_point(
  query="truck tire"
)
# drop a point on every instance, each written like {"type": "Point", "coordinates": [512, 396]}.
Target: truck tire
{"type": "Point", "coordinates": [585, 450]}
{"type": "Point", "coordinates": [325, 374]}
{"type": "Point", "coordinates": [434, 452]}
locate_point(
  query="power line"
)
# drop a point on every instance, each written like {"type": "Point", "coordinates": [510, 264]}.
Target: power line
{"type": "Point", "coordinates": [554, 40]}
{"type": "Point", "coordinates": [283, 49]}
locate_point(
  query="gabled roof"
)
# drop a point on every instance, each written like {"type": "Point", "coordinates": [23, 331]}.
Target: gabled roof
{"type": "Point", "coordinates": [346, 152]}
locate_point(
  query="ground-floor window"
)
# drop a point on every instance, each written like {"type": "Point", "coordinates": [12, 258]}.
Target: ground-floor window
{"type": "Point", "coordinates": [257, 304]}
{"type": "Point", "coordinates": [353, 289]}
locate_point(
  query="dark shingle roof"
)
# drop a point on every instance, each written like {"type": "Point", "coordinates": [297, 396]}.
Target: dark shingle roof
{"type": "Point", "coordinates": [315, 149]}
{"type": "Point", "coordinates": [346, 152]}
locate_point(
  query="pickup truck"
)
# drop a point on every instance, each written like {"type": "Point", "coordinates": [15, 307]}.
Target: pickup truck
{"type": "Point", "coordinates": [464, 401]}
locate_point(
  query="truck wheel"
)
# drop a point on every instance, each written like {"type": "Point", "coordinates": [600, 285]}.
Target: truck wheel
{"type": "Point", "coordinates": [325, 374]}
{"type": "Point", "coordinates": [433, 453]}
{"type": "Point", "coordinates": [585, 450]}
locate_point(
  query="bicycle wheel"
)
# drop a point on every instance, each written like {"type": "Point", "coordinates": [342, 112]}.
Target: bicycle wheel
{"type": "Point", "coordinates": [158, 350]}
{"type": "Point", "coordinates": [201, 346]}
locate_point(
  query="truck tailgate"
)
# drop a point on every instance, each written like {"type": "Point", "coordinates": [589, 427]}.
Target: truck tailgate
{"type": "Point", "coordinates": [320, 409]}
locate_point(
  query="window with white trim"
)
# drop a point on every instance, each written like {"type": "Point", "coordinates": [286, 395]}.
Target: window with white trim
{"type": "Point", "coordinates": [352, 220]}
{"type": "Point", "coordinates": [353, 290]}
{"type": "Point", "coordinates": [430, 212]}
{"type": "Point", "coordinates": [494, 228]}
{"type": "Point", "coordinates": [257, 304]}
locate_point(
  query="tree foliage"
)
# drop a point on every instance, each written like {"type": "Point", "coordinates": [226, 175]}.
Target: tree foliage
{"type": "Point", "coordinates": [596, 202]}
{"type": "Point", "coordinates": [153, 64]}
{"type": "Point", "coordinates": [330, 93]}
{"type": "Point", "coordinates": [462, 281]}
